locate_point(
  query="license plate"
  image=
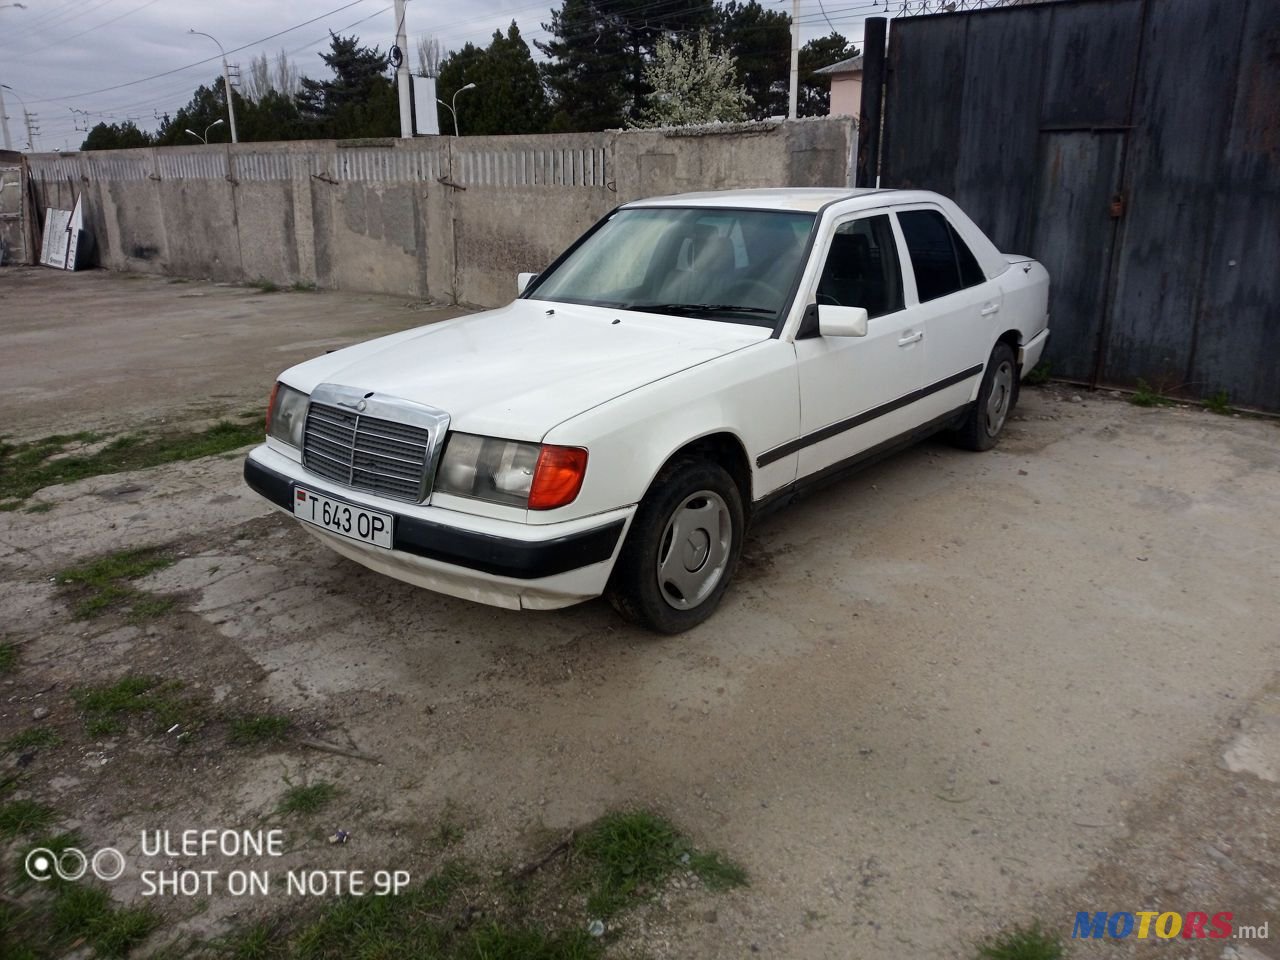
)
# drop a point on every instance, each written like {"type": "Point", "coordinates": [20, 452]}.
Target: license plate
{"type": "Point", "coordinates": [344, 519]}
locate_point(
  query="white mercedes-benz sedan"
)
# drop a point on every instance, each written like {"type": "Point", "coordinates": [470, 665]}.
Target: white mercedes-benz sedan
{"type": "Point", "coordinates": [687, 363]}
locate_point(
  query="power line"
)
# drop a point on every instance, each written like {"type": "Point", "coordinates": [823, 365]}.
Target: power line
{"type": "Point", "coordinates": [97, 26]}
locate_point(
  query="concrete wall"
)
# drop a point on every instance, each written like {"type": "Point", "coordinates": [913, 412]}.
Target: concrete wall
{"type": "Point", "coordinates": [436, 217]}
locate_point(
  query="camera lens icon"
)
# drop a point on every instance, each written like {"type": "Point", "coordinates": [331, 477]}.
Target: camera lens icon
{"type": "Point", "coordinates": [43, 864]}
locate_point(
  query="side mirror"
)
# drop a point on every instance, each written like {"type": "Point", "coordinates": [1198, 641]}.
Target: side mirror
{"type": "Point", "coordinates": [523, 280]}
{"type": "Point", "coordinates": [836, 321]}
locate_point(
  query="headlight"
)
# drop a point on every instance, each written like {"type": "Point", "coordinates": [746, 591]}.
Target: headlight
{"type": "Point", "coordinates": [528, 475]}
{"type": "Point", "coordinates": [287, 415]}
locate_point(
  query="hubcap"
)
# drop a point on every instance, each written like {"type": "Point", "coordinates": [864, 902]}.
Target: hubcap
{"type": "Point", "coordinates": [694, 550]}
{"type": "Point", "coordinates": [998, 400]}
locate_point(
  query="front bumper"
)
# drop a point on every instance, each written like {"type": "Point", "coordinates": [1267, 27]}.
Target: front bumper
{"type": "Point", "coordinates": [507, 569]}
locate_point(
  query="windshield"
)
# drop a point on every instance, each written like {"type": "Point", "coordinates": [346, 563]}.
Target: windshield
{"type": "Point", "coordinates": [737, 265]}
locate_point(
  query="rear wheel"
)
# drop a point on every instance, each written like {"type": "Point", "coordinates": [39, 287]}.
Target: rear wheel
{"type": "Point", "coordinates": [682, 549]}
{"type": "Point", "coordinates": [996, 398]}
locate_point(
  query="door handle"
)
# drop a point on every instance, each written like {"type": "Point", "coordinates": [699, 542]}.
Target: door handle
{"type": "Point", "coordinates": [990, 308]}
{"type": "Point", "coordinates": [910, 338]}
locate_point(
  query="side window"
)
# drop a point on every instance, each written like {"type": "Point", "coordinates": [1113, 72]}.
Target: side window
{"type": "Point", "coordinates": [970, 273]}
{"type": "Point", "coordinates": [933, 258]}
{"type": "Point", "coordinates": [862, 267]}
{"type": "Point", "coordinates": [942, 261]}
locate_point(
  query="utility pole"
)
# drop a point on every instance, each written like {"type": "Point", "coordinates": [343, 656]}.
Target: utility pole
{"type": "Point", "coordinates": [795, 60]}
{"type": "Point", "coordinates": [226, 82]}
{"type": "Point", "coordinates": [403, 80]}
{"type": "Point", "coordinates": [4, 122]}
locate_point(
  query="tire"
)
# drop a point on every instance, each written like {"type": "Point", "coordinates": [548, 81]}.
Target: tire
{"type": "Point", "coordinates": [682, 548]}
{"type": "Point", "coordinates": [996, 399]}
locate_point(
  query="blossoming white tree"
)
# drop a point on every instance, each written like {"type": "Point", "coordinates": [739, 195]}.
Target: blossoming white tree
{"type": "Point", "coordinates": [692, 83]}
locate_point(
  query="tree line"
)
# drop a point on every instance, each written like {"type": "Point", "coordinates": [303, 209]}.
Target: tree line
{"type": "Point", "coordinates": [606, 64]}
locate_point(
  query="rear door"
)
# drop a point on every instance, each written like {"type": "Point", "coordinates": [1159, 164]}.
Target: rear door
{"type": "Point", "coordinates": [956, 307]}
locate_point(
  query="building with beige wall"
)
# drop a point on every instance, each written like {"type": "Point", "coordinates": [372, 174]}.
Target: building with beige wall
{"type": "Point", "coordinates": [846, 86]}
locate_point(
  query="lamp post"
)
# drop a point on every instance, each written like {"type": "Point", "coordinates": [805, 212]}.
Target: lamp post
{"type": "Point", "coordinates": [226, 82]}
{"type": "Point", "coordinates": [26, 119]}
{"type": "Point", "coordinates": [205, 138]}
{"type": "Point", "coordinates": [454, 108]}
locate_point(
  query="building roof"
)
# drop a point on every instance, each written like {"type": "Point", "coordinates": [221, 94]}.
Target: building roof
{"type": "Point", "coordinates": [851, 65]}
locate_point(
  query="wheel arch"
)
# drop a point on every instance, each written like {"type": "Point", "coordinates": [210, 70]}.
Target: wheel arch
{"type": "Point", "coordinates": [723, 447]}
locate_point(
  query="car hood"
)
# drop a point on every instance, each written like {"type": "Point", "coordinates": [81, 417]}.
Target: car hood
{"type": "Point", "coordinates": [518, 371]}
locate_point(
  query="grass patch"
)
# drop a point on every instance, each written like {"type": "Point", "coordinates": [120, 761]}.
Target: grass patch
{"type": "Point", "coordinates": [28, 467]}
{"type": "Point", "coordinates": [1039, 375]}
{"type": "Point", "coordinates": [307, 799]}
{"type": "Point", "coordinates": [19, 817]}
{"type": "Point", "coordinates": [107, 707]}
{"type": "Point", "coordinates": [630, 854]}
{"type": "Point", "coordinates": [259, 728]}
{"type": "Point", "coordinates": [1220, 403]}
{"type": "Point", "coordinates": [263, 285]}
{"type": "Point", "coordinates": [300, 286]}
{"type": "Point", "coordinates": [1146, 396]}
{"type": "Point", "coordinates": [1022, 943]}
{"type": "Point", "coordinates": [31, 738]}
{"type": "Point", "coordinates": [39, 508]}
{"type": "Point", "coordinates": [103, 584]}
{"type": "Point", "coordinates": [8, 658]}
{"type": "Point", "coordinates": [82, 912]}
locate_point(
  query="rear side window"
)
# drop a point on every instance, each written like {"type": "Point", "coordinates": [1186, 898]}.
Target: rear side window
{"type": "Point", "coordinates": [942, 262]}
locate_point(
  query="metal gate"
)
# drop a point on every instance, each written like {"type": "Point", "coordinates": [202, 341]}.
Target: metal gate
{"type": "Point", "coordinates": [1133, 146]}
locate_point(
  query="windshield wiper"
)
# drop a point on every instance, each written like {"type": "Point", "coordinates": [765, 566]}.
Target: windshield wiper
{"type": "Point", "coordinates": [679, 309]}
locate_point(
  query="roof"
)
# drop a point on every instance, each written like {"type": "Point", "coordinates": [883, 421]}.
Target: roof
{"type": "Point", "coordinates": [804, 199]}
{"type": "Point", "coordinates": [851, 65]}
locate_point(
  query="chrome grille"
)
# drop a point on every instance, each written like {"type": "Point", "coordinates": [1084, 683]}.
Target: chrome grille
{"type": "Point", "coordinates": [367, 453]}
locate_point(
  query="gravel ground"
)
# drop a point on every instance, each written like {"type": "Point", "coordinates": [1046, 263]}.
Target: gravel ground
{"type": "Point", "coordinates": [951, 693]}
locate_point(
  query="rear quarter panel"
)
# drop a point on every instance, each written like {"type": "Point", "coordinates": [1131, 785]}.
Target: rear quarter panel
{"type": "Point", "coordinates": [1025, 303]}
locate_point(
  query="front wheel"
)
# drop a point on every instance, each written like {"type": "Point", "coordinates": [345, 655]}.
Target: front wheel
{"type": "Point", "coordinates": [682, 549]}
{"type": "Point", "coordinates": [996, 398]}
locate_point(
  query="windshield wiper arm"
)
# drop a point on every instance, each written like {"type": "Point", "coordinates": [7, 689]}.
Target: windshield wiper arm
{"type": "Point", "coordinates": [695, 308]}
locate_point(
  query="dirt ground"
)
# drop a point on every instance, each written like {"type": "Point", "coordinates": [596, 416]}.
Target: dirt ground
{"type": "Point", "coordinates": [952, 693]}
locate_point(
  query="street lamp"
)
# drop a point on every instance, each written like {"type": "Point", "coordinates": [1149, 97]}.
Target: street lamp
{"type": "Point", "coordinates": [205, 138]}
{"type": "Point", "coordinates": [4, 120]}
{"type": "Point", "coordinates": [454, 109]}
{"type": "Point", "coordinates": [226, 82]}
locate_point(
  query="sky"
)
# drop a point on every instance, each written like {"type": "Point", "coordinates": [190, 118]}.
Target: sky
{"type": "Point", "coordinates": [62, 58]}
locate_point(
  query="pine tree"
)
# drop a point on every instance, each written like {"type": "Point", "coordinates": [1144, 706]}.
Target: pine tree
{"type": "Point", "coordinates": [360, 99]}
{"type": "Point", "coordinates": [508, 98]}
{"type": "Point", "coordinates": [760, 40]}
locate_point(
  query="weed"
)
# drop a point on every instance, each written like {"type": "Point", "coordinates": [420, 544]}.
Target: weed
{"type": "Point", "coordinates": [629, 852]}
{"type": "Point", "coordinates": [1145, 396]}
{"type": "Point", "coordinates": [28, 467]}
{"type": "Point", "coordinates": [18, 817]}
{"type": "Point", "coordinates": [103, 583]}
{"type": "Point", "coordinates": [301, 286]}
{"type": "Point", "coordinates": [86, 912]}
{"type": "Point", "coordinates": [39, 508]}
{"type": "Point", "coordinates": [259, 728]}
{"type": "Point", "coordinates": [106, 707]}
{"type": "Point", "coordinates": [1022, 943]}
{"type": "Point", "coordinates": [179, 280]}
{"type": "Point", "coordinates": [307, 799]}
{"type": "Point", "coordinates": [263, 285]}
{"type": "Point", "coordinates": [33, 737]}
{"type": "Point", "coordinates": [1220, 403]}
{"type": "Point", "coordinates": [1040, 374]}
{"type": "Point", "coordinates": [8, 658]}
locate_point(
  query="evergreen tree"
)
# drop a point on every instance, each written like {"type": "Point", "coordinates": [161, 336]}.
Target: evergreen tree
{"type": "Point", "coordinates": [760, 41]}
{"type": "Point", "coordinates": [598, 52]}
{"type": "Point", "coordinates": [116, 136]}
{"type": "Point", "coordinates": [814, 95]}
{"type": "Point", "coordinates": [359, 101]}
{"type": "Point", "coordinates": [508, 97]}
{"type": "Point", "coordinates": [207, 105]}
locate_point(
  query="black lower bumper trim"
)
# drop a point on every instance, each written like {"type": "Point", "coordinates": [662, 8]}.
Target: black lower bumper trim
{"type": "Point", "coordinates": [500, 556]}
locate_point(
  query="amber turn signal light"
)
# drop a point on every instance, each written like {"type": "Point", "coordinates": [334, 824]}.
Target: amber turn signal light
{"type": "Point", "coordinates": [271, 403]}
{"type": "Point", "coordinates": [558, 477]}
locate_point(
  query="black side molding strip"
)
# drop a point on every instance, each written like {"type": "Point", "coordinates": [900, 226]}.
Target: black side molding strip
{"type": "Point", "coordinates": [840, 426]}
{"type": "Point", "coordinates": [500, 556]}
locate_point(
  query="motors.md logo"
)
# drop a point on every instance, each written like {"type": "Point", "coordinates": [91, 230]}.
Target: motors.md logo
{"type": "Point", "coordinates": [1167, 925]}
